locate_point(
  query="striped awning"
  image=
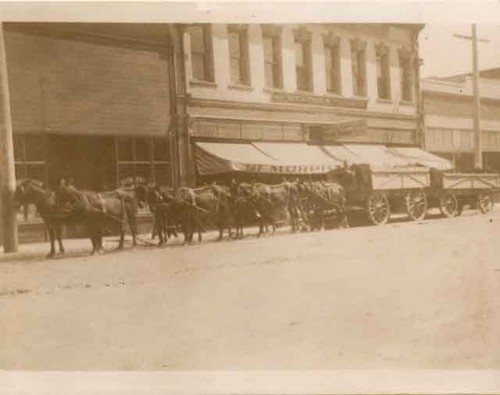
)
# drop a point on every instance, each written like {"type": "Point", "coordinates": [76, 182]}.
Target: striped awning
{"type": "Point", "coordinates": [302, 158]}
{"type": "Point", "coordinates": [274, 158]}
{"type": "Point", "coordinates": [417, 156]}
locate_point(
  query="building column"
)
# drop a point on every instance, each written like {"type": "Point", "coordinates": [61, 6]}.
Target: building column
{"type": "Point", "coordinates": [318, 67]}
{"type": "Point", "coordinates": [346, 68]}
{"type": "Point", "coordinates": [288, 59]}
{"type": "Point", "coordinates": [7, 168]}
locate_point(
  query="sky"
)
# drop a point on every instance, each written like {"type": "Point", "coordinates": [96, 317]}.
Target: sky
{"type": "Point", "coordinates": [445, 55]}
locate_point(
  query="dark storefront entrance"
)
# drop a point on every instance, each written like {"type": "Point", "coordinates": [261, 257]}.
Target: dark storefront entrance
{"type": "Point", "coordinates": [89, 161]}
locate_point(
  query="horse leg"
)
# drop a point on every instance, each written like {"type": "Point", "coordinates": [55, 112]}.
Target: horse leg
{"type": "Point", "coordinates": [58, 231]}
{"type": "Point", "coordinates": [52, 253]}
{"type": "Point", "coordinates": [94, 241]}
{"type": "Point", "coordinates": [122, 238]}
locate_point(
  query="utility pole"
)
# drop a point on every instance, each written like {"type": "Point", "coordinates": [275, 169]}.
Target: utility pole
{"type": "Point", "coordinates": [478, 153]}
{"type": "Point", "coordinates": [7, 168]}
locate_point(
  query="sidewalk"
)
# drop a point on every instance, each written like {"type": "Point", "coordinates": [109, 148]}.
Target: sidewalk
{"type": "Point", "coordinates": [73, 247]}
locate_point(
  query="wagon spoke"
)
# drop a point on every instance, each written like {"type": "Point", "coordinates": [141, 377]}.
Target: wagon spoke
{"type": "Point", "coordinates": [416, 204]}
{"type": "Point", "coordinates": [448, 205]}
{"type": "Point", "coordinates": [485, 202]}
{"type": "Point", "coordinates": [378, 208]}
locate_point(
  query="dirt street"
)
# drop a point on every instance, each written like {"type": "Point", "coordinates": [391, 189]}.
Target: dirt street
{"type": "Point", "coordinates": [404, 295]}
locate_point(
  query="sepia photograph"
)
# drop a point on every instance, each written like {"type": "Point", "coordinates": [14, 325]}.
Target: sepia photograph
{"type": "Point", "coordinates": [225, 187]}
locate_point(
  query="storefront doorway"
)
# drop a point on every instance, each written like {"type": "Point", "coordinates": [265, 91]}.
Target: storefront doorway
{"type": "Point", "coordinates": [89, 161]}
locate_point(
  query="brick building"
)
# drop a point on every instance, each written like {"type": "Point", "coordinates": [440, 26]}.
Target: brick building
{"type": "Point", "coordinates": [448, 105]}
{"type": "Point", "coordinates": [336, 83]}
{"type": "Point", "coordinates": [109, 103]}
{"type": "Point", "coordinates": [91, 102]}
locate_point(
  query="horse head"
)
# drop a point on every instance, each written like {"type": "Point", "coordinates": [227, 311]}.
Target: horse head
{"type": "Point", "coordinates": [26, 191]}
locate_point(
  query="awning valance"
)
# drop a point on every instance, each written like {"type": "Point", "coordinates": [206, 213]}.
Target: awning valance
{"type": "Point", "coordinates": [214, 158]}
{"type": "Point", "coordinates": [302, 158]}
{"type": "Point", "coordinates": [417, 156]}
{"type": "Point", "coordinates": [299, 158]}
{"type": "Point", "coordinates": [377, 156]}
{"type": "Point", "coordinates": [275, 158]}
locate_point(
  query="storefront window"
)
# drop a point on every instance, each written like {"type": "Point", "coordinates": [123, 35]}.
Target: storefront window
{"type": "Point", "coordinates": [143, 160]}
{"type": "Point", "coordinates": [29, 157]}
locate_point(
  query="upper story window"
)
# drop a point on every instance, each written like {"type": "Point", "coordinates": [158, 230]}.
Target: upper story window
{"type": "Point", "coordinates": [358, 61]}
{"type": "Point", "coordinates": [303, 60]}
{"type": "Point", "coordinates": [332, 63]}
{"type": "Point", "coordinates": [406, 74]}
{"type": "Point", "coordinates": [383, 72]}
{"type": "Point", "coordinates": [271, 38]}
{"type": "Point", "coordinates": [201, 52]}
{"type": "Point", "coordinates": [238, 54]}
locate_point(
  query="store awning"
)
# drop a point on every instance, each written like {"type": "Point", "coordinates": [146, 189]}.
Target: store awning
{"type": "Point", "coordinates": [214, 158]}
{"type": "Point", "coordinates": [300, 158]}
{"type": "Point", "coordinates": [342, 154]}
{"type": "Point", "coordinates": [417, 156]}
{"type": "Point", "coordinates": [275, 158]}
{"type": "Point", "coordinates": [377, 156]}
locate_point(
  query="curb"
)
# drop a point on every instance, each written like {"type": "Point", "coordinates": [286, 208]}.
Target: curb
{"type": "Point", "coordinates": [12, 257]}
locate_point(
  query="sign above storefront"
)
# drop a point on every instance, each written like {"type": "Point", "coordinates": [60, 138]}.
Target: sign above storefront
{"type": "Point", "coordinates": [331, 101]}
{"type": "Point", "coordinates": [350, 130]}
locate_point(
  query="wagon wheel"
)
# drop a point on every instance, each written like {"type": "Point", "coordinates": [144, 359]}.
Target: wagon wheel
{"type": "Point", "coordinates": [448, 205]}
{"type": "Point", "coordinates": [378, 208]}
{"type": "Point", "coordinates": [485, 202]}
{"type": "Point", "coordinates": [416, 204]}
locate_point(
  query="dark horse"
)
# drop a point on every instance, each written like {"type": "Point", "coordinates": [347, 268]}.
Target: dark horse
{"type": "Point", "coordinates": [32, 192]}
{"type": "Point", "coordinates": [113, 207]}
{"type": "Point", "coordinates": [53, 215]}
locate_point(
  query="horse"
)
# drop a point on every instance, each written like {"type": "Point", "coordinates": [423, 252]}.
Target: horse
{"type": "Point", "coordinates": [106, 208]}
{"type": "Point", "coordinates": [54, 216]}
{"type": "Point", "coordinates": [160, 201]}
{"type": "Point", "coordinates": [198, 206]}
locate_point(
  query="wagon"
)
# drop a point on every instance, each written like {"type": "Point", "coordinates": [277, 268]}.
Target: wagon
{"type": "Point", "coordinates": [378, 192]}
{"type": "Point", "coordinates": [451, 192]}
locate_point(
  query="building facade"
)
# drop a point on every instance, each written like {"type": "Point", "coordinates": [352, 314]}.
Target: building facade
{"type": "Point", "coordinates": [91, 102]}
{"type": "Point", "coordinates": [309, 82]}
{"type": "Point", "coordinates": [107, 104]}
{"type": "Point", "coordinates": [448, 105]}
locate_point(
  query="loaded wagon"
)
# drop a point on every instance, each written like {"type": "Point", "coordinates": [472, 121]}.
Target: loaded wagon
{"type": "Point", "coordinates": [451, 192]}
{"type": "Point", "coordinates": [412, 190]}
{"type": "Point", "coordinates": [377, 192]}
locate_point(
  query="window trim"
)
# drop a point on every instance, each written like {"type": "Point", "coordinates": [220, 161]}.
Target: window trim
{"type": "Point", "coordinates": [383, 60]}
{"type": "Point", "coordinates": [358, 48]}
{"type": "Point", "coordinates": [304, 37]}
{"type": "Point", "coordinates": [406, 59]}
{"type": "Point", "coordinates": [331, 43]}
{"type": "Point", "coordinates": [207, 54]}
{"type": "Point", "coordinates": [274, 33]}
{"type": "Point", "coordinates": [244, 58]}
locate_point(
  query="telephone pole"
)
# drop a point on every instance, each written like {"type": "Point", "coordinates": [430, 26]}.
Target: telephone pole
{"type": "Point", "coordinates": [7, 169]}
{"type": "Point", "coordinates": [478, 153]}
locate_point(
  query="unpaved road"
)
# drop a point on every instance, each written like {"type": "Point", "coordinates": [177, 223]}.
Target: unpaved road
{"type": "Point", "coordinates": [406, 295]}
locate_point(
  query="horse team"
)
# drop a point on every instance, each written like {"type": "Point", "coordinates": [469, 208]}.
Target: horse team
{"type": "Point", "coordinates": [311, 205]}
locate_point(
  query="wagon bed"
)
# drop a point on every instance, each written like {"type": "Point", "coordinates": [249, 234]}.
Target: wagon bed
{"type": "Point", "coordinates": [413, 190]}
{"type": "Point", "coordinates": [451, 192]}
